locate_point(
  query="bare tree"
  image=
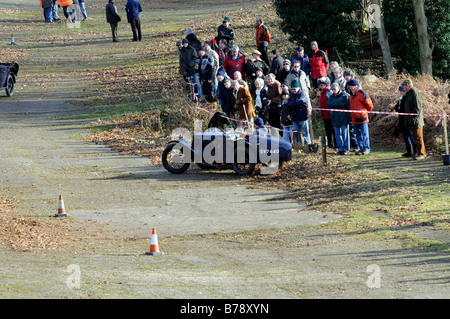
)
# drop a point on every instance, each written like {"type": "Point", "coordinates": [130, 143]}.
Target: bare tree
{"type": "Point", "coordinates": [425, 49]}
{"type": "Point", "coordinates": [375, 19]}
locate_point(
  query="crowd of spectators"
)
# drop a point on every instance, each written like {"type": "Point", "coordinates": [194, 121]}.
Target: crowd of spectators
{"type": "Point", "coordinates": [276, 90]}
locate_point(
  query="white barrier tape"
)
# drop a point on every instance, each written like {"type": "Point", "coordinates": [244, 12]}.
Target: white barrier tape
{"type": "Point", "coordinates": [441, 116]}
{"type": "Point", "coordinates": [378, 112]}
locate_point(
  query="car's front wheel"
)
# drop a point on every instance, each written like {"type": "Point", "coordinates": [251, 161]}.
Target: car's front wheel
{"type": "Point", "coordinates": [10, 85]}
{"type": "Point", "coordinates": [173, 159]}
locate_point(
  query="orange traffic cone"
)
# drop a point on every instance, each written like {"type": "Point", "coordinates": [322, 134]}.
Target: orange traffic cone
{"type": "Point", "coordinates": [154, 247]}
{"type": "Point", "coordinates": [12, 39]}
{"type": "Point", "coordinates": [61, 209]}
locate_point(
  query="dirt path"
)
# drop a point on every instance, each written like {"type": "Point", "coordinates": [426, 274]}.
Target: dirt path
{"type": "Point", "coordinates": [222, 238]}
{"type": "Point", "coordinates": [200, 217]}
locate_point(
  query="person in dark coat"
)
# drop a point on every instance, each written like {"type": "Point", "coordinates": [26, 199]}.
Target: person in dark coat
{"type": "Point", "coordinates": [277, 63]}
{"type": "Point", "coordinates": [259, 94]}
{"type": "Point", "coordinates": [193, 40]}
{"type": "Point", "coordinates": [113, 18]}
{"type": "Point", "coordinates": [133, 8]}
{"type": "Point", "coordinates": [222, 50]}
{"type": "Point", "coordinates": [303, 59]}
{"type": "Point", "coordinates": [188, 60]}
{"type": "Point", "coordinates": [205, 66]}
{"type": "Point", "coordinates": [286, 121]}
{"type": "Point", "coordinates": [253, 64]}
{"type": "Point", "coordinates": [221, 76]}
{"type": "Point", "coordinates": [285, 71]}
{"type": "Point", "coordinates": [226, 32]}
{"type": "Point", "coordinates": [228, 99]}
{"type": "Point", "coordinates": [273, 100]}
{"type": "Point", "coordinates": [412, 103]}
{"type": "Point", "coordinates": [407, 134]}
{"type": "Point", "coordinates": [297, 106]}
{"type": "Point", "coordinates": [340, 100]}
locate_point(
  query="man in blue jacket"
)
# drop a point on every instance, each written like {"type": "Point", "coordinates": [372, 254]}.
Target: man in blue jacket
{"type": "Point", "coordinates": [133, 8]}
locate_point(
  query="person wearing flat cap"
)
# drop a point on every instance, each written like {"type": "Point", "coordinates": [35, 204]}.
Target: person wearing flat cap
{"type": "Point", "coordinates": [254, 63]}
{"type": "Point", "coordinates": [412, 103]}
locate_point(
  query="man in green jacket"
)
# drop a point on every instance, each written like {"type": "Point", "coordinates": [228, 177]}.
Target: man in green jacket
{"type": "Point", "coordinates": [413, 104]}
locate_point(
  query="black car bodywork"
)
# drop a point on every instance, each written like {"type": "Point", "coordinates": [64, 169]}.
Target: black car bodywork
{"type": "Point", "coordinates": [233, 148]}
{"type": "Point", "coordinates": [8, 74]}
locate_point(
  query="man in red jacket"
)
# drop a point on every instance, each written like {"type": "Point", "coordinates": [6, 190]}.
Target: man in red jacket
{"type": "Point", "coordinates": [319, 63]}
{"type": "Point", "coordinates": [235, 61]}
{"type": "Point", "coordinates": [360, 101]}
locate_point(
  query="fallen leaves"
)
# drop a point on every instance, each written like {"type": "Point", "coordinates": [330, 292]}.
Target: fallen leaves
{"type": "Point", "coordinates": [24, 233]}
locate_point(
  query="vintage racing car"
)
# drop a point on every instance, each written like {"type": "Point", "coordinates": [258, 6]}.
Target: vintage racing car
{"type": "Point", "coordinates": [233, 148]}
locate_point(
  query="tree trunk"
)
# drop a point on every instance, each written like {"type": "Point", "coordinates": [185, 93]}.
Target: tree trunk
{"type": "Point", "coordinates": [426, 57]}
{"type": "Point", "coordinates": [383, 39]}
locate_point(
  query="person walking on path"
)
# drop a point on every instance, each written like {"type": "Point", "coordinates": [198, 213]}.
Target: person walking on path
{"type": "Point", "coordinates": [65, 4]}
{"type": "Point", "coordinates": [412, 103]}
{"type": "Point", "coordinates": [133, 8]}
{"type": "Point", "coordinates": [55, 11]}
{"type": "Point", "coordinates": [47, 6]}
{"type": "Point", "coordinates": [360, 101]}
{"type": "Point", "coordinates": [263, 38]}
{"type": "Point", "coordinates": [113, 18]}
{"type": "Point", "coordinates": [83, 10]}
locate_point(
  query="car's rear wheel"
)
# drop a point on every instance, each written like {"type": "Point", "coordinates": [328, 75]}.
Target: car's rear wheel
{"type": "Point", "coordinates": [242, 166]}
